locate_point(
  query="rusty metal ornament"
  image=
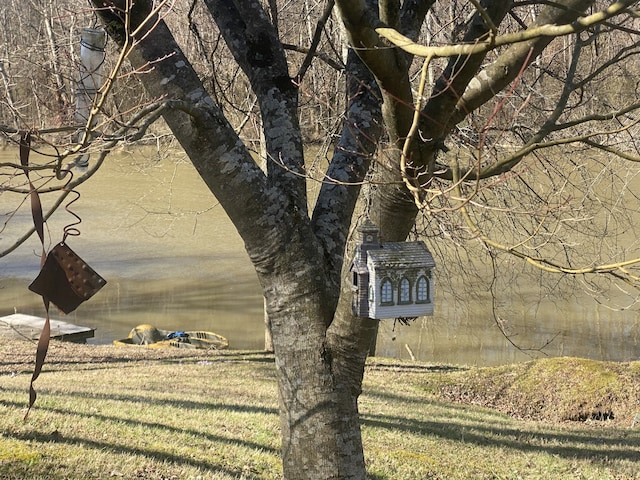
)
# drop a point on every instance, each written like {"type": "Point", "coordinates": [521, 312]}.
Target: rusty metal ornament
{"type": "Point", "coordinates": [66, 280]}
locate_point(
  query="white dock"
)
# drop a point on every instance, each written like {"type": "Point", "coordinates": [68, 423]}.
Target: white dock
{"type": "Point", "coordinates": [19, 325]}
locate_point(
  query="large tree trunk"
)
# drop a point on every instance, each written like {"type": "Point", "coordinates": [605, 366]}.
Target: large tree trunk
{"type": "Point", "coordinates": [318, 404]}
{"type": "Point", "coordinates": [298, 259]}
{"type": "Point", "coordinates": [319, 417]}
{"type": "Point", "coordinates": [319, 380]}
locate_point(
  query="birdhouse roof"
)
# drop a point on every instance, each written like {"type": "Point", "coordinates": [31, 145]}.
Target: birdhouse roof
{"type": "Point", "coordinates": [401, 255]}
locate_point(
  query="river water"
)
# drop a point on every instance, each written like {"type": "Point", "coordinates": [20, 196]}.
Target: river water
{"type": "Point", "coordinates": [173, 259]}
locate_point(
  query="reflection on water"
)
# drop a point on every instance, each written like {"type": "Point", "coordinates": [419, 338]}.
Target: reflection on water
{"type": "Point", "coordinates": [170, 255]}
{"type": "Point", "coordinates": [453, 335]}
{"type": "Point", "coordinates": [172, 259]}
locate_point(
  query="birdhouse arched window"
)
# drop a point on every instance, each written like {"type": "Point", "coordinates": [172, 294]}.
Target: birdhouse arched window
{"type": "Point", "coordinates": [423, 295]}
{"type": "Point", "coordinates": [404, 292]}
{"type": "Point", "coordinates": [386, 292]}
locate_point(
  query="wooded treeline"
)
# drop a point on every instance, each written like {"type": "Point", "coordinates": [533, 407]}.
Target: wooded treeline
{"type": "Point", "coordinates": [39, 61]}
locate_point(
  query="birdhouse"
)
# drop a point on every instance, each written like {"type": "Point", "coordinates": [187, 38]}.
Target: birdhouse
{"type": "Point", "coordinates": [392, 279]}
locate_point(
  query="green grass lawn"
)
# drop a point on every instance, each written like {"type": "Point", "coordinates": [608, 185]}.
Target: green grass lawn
{"type": "Point", "coordinates": [114, 413]}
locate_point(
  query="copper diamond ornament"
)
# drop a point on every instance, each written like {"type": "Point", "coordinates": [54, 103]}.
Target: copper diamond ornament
{"type": "Point", "coordinates": [66, 280]}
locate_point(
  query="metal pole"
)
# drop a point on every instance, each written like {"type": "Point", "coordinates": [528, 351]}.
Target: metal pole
{"type": "Point", "coordinates": [92, 43]}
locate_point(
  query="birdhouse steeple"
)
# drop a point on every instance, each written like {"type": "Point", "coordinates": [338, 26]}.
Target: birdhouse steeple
{"type": "Point", "coordinates": [369, 233]}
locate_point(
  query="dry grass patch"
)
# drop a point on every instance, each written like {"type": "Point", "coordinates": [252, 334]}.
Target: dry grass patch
{"type": "Point", "coordinates": [107, 412]}
{"type": "Point", "coordinates": [117, 413]}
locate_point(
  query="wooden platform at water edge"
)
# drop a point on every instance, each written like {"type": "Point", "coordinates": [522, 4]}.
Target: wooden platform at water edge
{"type": "Point", "coordinates": [20, 325]}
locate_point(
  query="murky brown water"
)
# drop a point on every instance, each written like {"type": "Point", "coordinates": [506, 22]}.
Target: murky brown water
{"type": "Point", "coordinates": [173, 259]}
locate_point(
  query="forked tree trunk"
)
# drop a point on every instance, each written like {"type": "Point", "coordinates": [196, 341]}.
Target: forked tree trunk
{"type": "Point", "coordinates": [319, 350]}
{"type": "Point", "coordinates": [319, 362]}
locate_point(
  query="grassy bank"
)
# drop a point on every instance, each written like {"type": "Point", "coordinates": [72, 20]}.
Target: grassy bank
{"type": "Point", "coordinates": [109, 413]}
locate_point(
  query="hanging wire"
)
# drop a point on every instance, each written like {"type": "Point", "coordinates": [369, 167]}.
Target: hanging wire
{"type": "Point", "coordinates": [88, 46]}
{"type": "Point", "coordinates": [94, 17]}
{"type": "Point", "coordinates": [70, 230]}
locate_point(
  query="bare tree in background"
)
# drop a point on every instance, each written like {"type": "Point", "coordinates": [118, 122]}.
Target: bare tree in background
{"type": "Point", "coordinates": [498, 130]}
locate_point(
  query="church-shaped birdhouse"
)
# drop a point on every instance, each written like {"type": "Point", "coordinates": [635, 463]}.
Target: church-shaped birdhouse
{"type": "Point", "coordinates": [391, 279]}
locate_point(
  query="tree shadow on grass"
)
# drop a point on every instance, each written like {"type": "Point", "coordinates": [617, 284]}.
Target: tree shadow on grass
{"type": "Point", "coordinates": [187, 405]}
{"type": "Point", "coordinates": [465, 426]}
{"type": "Point", "coordinates": [123, 449]}
{"type": "Point", "coordinates": [390, 365]}
{"type": "Point", "coordinates": [103, 359]}
{"type": "Point", "coordinates": [165, 427]}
